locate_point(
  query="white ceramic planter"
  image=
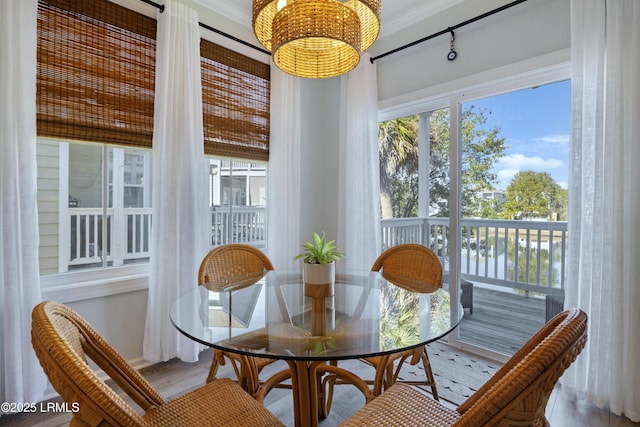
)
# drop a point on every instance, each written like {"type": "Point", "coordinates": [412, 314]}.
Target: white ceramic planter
{"type": "Point", "coordinates": [319, 274]}
{"type": "Point", "coordinates": [318, 285]}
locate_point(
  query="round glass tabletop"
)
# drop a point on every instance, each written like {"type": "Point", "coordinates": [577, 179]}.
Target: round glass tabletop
{"type": "Point", "coordinates": [276, 315]}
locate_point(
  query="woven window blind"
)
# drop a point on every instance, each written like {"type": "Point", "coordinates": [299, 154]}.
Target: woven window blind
{"type": "Point", "coordinates": [235, 96]}
{"type": "Point", "coordinates": [96, 72]}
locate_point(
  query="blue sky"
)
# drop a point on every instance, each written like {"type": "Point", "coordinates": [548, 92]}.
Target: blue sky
{"type": "Point", "coordinates": [536, 125]}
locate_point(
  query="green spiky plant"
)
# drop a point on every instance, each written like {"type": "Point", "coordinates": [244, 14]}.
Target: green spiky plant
{"type": "Point", "coordinates": [320, 251]}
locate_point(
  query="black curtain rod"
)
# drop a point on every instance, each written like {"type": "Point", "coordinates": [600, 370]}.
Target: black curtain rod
{"type": "Point", "coordinates": [449, 29]}
{"type": "Point", "coordinates": [229, 36]}
{"type": "Point", "coordinates": [160, 7]}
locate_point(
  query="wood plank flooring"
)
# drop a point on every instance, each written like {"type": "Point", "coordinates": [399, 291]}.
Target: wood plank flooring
{"type": "Point", "coordinates": [501, 321]}
{"type": "Point", "coordinates": [174, 378]}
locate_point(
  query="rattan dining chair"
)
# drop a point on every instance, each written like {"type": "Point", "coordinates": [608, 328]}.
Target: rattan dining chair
{"type": "Point", "coordinates": [416, 268]}
{"type": "Point", "coordinates": [516, 395]}
{"type": "Point", "coordinates": [225, 264]}
{"type": "Point", "coordinates": [64, 341]}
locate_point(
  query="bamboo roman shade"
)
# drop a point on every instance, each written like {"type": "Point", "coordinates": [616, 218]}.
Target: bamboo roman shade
{"type": "Point", "coordinates": [96, 82]}
{"type": "Point", "coordinates": [96, 72]}
{"type": "Point", "coordinates": [235, 96]}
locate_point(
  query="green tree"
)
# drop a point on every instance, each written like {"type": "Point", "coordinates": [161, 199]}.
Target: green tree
{"type": "Point", "coordinates": [533, 195]}
{"type": "Point", "coordinates": [560, 205]}
{"type": "Point", "coordinates": [491, 209]}
{"type": "Point", "coordinates": [530, 264]}
{"type": "Point", "coordinates": [528, 259]}
{"type": "Point", "coordinates": [481, 149]}
{"type": "Point", "coordinates": [398, 148]}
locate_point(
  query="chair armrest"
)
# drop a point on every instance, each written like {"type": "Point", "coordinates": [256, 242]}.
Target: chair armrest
{"type": "Point", "coordinates": [130, 380]}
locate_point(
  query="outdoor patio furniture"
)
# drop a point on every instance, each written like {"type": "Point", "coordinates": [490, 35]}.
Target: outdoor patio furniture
{"type": "Point", "coordinates": [466, 291]}
{"type": "Point", "coordinates": [553, 304]}
{"type": "Point", "coordinates": [516, 395]}
{"type": "Point", "coordinates": [63, 341]}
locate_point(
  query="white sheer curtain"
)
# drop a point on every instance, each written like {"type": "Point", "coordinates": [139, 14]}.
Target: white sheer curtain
{"type": "Point", "coordinates": [22, 378]}
{"type": "Point", "coordinates": [359, 234]}
{"type": "Point", "coordinates": [179, 230]}
{"type": "Point", "coordinates": [604, 205]}
{"type": "Point", "coordinates": [283, 210]}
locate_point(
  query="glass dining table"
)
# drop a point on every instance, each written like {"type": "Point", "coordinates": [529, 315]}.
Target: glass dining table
{"type": "Point", "coordinates": [276, 315]}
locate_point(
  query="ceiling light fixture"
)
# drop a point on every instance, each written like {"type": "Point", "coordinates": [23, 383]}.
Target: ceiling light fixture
{"type": "Point", "coordinates": [316, 38]}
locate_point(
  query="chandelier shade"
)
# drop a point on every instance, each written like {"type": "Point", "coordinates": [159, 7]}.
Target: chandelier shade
{"type": "Point", "coordinates": [316, 38]}
{"type": "Point", "coordinates": [320, 47]}
{"type": "Point", "coordinates": [369, 14]}
{"type": "Point", "coordinates": [263, 13]}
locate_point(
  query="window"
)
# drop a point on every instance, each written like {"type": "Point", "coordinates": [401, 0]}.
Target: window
{"type": "Point", "coordinates": [237, 202]}
{"type": "Point", "coordinates": [88, 219]}
{"type": "Point", "coordinates": [95, 103]}
{"type": "Point", "coordinates": [95, 82]}
{"type": "Point", "coordinates": [136, 167]}
{"type": "Point", "coordinates": [509, 186]}
{"type": "Point", "coordinates": [236, 102]}
{"type": "Point", "coordinates": [405, 153]}
{"type": "Point", "coordinates": [72, 233]}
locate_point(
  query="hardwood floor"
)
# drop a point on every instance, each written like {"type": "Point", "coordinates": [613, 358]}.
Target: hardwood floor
{"type": "Point", "coordinates": [501, 321]}
{"type": "Point", "coordinates": [175, 377]}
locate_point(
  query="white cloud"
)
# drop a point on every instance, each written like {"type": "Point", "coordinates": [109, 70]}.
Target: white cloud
{"type": "Point", "coordinates": [506, 175]}
{"type": "Point", "coordinates": [520, 162]}
{"type": "Point", "coordinates": [507, 167]}
{"type": "Point", "coordinates": [553, 139]}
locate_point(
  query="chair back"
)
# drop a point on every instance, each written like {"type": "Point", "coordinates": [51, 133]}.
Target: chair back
{"type": "Point", "coordinates": [232, 261]}
{"type": "Point", "coordinates": [411, 266]}
{"type": "Point", "coordinates": [518, 393]}
{"type": "Point", "coordinates": [63, 342]}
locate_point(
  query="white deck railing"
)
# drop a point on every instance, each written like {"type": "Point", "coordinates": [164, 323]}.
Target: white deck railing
{"type": "Point", "coordinates": [238, 225]}
{"type": "Point", "coordinates": [87, 228]}
{"type": "Point", "coordinates": [525, 255]}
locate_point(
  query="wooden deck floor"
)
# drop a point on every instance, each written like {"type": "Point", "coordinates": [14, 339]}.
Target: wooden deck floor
{"type": "Point", "coordinates": [501, 321]}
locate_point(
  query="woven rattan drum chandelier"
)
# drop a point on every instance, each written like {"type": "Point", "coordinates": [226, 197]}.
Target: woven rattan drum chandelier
{"type": "Point", "coordinates": [316, 38]}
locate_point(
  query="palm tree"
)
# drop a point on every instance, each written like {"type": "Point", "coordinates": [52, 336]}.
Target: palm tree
{"type": "Point", "coordinates": [398, 148]}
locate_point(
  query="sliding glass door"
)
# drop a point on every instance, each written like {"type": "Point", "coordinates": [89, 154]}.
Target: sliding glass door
{"type": "Point", "coordinates": [483, 183]}
{"type": "Point", "coordinates": [514, 154]}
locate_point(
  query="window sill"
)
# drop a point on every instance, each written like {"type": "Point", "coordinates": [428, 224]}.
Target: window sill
{"type": "Point", "coordinates": [89, 284]}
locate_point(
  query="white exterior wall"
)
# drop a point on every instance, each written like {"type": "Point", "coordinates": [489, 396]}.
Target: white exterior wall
{"type": "Point", "coordinates": [48, 209]}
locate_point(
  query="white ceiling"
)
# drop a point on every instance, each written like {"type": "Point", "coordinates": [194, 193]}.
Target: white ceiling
{"type": "Point", "coordinates": [394, 16]}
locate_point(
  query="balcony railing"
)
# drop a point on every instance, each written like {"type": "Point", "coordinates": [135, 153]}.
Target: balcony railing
{"type": "Point", "coordinates": [87, 228]}
{"type": "Point", "coordinates": [240, 224]}
{"type": "Point", "coordinates": [236, 225]}
{"type": "Point", "coordinates": [525, 255]}
{"type": "Point", "coordinates": [528, 256]}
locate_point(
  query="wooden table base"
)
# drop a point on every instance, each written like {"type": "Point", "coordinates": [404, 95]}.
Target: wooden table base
{"type": "Point", "coordinates": [309, 402]}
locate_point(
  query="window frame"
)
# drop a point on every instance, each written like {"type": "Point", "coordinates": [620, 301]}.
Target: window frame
{"type": "Point", "coordinates": [536, 71]}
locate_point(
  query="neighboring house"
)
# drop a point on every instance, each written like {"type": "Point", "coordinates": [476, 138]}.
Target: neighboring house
{"type": "Point", "coordinates": [495, 196]}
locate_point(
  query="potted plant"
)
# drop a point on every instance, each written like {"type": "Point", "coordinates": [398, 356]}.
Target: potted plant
{"type": "Point", "coordinates": [319, 259]}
